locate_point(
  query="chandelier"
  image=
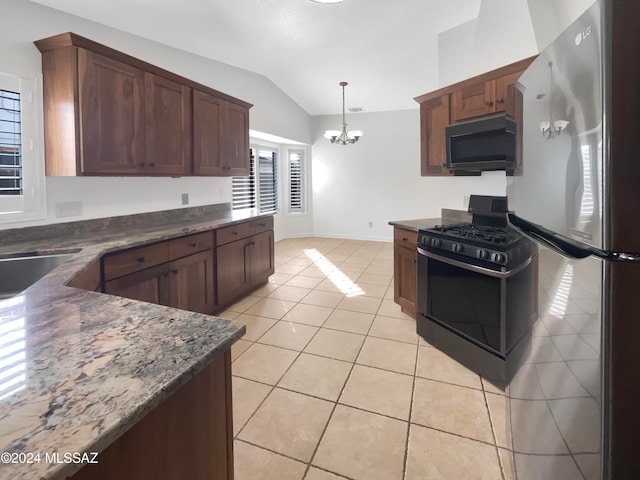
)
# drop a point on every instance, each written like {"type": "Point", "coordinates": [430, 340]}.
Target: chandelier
{"type": "Point", "coordinates": [552, 128]}
{"type": "Point", "coordinates": [343, 137]}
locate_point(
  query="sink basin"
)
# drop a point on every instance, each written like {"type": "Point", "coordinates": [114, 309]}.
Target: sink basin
{"type": "Point", "coordinates": [19, 273]}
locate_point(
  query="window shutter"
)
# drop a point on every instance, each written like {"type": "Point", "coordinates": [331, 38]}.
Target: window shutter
{"type": "Point", "coordinates": [10, 144]}
{"type": "Point", "coordinates": [295, 181]}
{"type": "Point", "coordinates": [268, 161]}
{"type": "Point", "coordinates": [243, 189]}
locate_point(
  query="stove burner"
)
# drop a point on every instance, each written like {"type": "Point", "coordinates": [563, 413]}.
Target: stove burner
{"type": "Point", "coordinates": [486, 234]}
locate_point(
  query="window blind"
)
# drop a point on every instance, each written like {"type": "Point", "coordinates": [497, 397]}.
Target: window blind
{"type": "Point", "coordinates": [295, 181]}
{"type": "Point", "coordinates": [10, 144]}
{"type": "Point", "coordinates": [268, 162]}
{"type": "Point", "coordinates": [243, 189]}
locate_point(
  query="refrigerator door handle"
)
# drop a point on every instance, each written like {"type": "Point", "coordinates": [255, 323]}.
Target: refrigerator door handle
{"type": "Point", "coordinates": [563, 245]}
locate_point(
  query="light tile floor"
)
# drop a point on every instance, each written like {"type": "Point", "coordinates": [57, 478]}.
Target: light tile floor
{"type": "Point", "coordinates": [332, 382]}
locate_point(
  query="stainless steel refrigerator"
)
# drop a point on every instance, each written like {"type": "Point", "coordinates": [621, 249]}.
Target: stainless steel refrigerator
{"type": "Point", "coordinates": [573, 409]}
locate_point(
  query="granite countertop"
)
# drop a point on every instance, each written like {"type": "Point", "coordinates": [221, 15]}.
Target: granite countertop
{"type": "Point", "coordinates": [86, 366]}
{"type": "Point", "coordinates": [415, 225]}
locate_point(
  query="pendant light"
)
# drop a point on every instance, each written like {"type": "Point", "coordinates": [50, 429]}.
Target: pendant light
{"type": "Point", "coordinates": [343, 137]}
{"type": "Point", "coordinates": [552, 128]}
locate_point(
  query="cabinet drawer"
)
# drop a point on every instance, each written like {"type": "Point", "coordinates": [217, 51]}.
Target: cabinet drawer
{"type": "Point", "coordinates": [260, 225]}
{"type": "Point", "coordinates": [234, 232]}
{"type": "Point", "coordinates": [405, 238]}
{"type": "Point", "coordinates": [134, 260]}
{"type": "Point", "coordinates": [181, 247]}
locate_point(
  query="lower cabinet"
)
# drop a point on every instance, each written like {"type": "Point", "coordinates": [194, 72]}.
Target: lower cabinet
{"type": "Point", "coordinates": [191, 284]}
{"type": "Point", "coordinates": [187, 436]}
{"type": "Point", "coordinates": [405, 272]}
{"type": "Point", "coordinates": [150, 285]}
{"type": "Point", "coordinates": [246, 262]}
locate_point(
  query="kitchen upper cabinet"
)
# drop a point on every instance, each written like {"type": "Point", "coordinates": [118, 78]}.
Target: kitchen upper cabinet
{"type": "Point", "coordinates": [107, 113]}
{"type": "Point", "coordinates": [220, 136]}
{"type": "Point", "coordinates": [111, 113]}
{"type": "Point", "coordinates": [236, 140]}
{"type": "Point", "coordinates": [168, 126]}
{"type": "Point", "coordinates": [487, 94]}
{"type": "Point", "coordinates": [434, 118]}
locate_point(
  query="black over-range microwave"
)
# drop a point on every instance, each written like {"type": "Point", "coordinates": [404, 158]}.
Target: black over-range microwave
{"type": "Point", "coordinates": [483, 144]}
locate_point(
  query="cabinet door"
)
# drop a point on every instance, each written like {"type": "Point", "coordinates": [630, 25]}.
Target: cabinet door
{"type": "Point", "coordinates": [473, 101]}
{"type": "Point", "coordinates": [168, 126]}
{"type": "Point", "coordinates": [191, 283]}
{"type": "Point", "coordinates": [208, 112]}
{"type": "Point", "coordinates": [405, 278]}
{"type": "Point", "coordinates": [150, 285]}
{"type": "Point", "coordinates": [236, 140]}
{"type": "Point", "coordinates": [112, 115]}
{"type": "Point", "coordinates": [262, 257]}
{"type": "Point", "coordinates": [434, 118]}
{"type": "Point", "coordinates": [232, 271]}
{"type": "Point", "coordinates": [505, 90]}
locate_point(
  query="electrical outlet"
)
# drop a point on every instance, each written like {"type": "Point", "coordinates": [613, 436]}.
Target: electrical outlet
{"type": "Point", "coordinates": [68, 209]}
{"type": "Point", "coordinates": [185, 199]}
{"type": "Point", "coordinates": [370, 224]}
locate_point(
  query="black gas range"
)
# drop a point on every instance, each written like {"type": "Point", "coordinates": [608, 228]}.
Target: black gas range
{"type": "Point", "coordinates": [474, 289]}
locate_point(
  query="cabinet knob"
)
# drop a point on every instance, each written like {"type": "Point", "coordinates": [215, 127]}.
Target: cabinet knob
{"type": "Point", "coordinates": [194, 244]}
{"type": "Point", "coordinates": [489, 104]}
{"type": "Point", "coordinates": [152, 164]}
{"type": "Point", "coordinates": [404, 239]}
{"type": "Point", "coordinates": [141, 259]}
{"type": "Point", "coordinates": [414, 261]}
{"type": "Point", "coordinates": [500, 100]}
{"type": "Point", "coordinates": [235, 233]}
{"type": "Point", "coordinates": [174, 271]}
{"type": "Point", "coordinates": [141, 164]}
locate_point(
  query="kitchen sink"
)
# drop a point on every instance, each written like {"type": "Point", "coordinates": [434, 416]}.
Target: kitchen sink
{"type": "Point", "coordinates": [19, 273]}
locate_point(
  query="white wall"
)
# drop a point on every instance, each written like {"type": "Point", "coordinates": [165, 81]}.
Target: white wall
{"type": "Point", "coordinates": [378, 179]}
{"type": "Point", "coordinates": [273, 112]}
{"type": "Point", "coordinates": [551, 17]}
{"type": "Point", "coordinates": [502, 34]}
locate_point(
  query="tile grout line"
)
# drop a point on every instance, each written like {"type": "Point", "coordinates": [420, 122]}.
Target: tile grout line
{"type": "Point", "coordinates": [413, 390]}
{"type": "Point", "coordinates": [493, 429]}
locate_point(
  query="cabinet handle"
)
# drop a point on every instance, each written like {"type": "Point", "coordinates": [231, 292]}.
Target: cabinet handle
{"type": "Point", "coordinates": [141, 259]}
{"type": "Point", "coordinates": [500, 100]}
{"type": "Point", "coordinates": [263, 224]}
{"type": "Point", "coordinates": [152, 164]}
{"type": "Point", "coordinates": [414, 261]}
{"type": "Point", "coordinates": [235, 233]}
{"type": "Point", "coordinates": [489, 104]}
{"type": "Point", "coordinates": [404, 239]}
{"type": "Point", "coordinates": [194, 244]}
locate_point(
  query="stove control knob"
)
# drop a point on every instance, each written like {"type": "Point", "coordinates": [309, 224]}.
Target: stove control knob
{"type": "Point", "coordinates": [458, 248]}
{"type": "Point", "coordinates": [497, 257]}
{"type": "Point", "coordinates": [435, 242]}
{"type": "Point", "coordinates": [483, 254]}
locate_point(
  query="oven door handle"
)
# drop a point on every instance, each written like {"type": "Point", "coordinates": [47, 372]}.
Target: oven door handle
{"type": "Point", "coordinates": [474, 268]}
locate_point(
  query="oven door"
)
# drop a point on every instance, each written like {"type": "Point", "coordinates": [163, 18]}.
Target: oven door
{"type": "Point", "coordinates": [487, 307]}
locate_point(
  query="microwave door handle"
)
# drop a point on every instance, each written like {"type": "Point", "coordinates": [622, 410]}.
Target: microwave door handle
{"type": "Point", "coordinates": [554, 241]}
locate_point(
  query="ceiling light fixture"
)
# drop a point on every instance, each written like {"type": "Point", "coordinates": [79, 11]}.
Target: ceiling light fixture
{"type": "Point", "coordinates": [343, 137]}
{"type": "Point", "coordinates": [552, 128]}
{"type": "Point", "coordinates": [327, 1]}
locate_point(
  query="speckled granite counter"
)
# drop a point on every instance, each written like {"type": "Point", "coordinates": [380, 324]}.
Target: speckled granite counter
{"type": "Point", "coordinates": [86, 365]}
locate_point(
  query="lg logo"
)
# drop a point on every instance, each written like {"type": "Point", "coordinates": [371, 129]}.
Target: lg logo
{"type": "Point", "coordinates": [582, 35]}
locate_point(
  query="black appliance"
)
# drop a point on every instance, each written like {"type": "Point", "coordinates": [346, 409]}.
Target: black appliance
{"type": "Point", "coordinates": [474, 290]}
{"type": "Point", "coordinates": [484, 144]}
{"type": "Point", "coordinates": [579, 197]}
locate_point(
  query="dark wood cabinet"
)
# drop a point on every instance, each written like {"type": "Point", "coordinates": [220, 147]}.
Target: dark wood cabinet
{"type": "Point", "coordinates": [220, 136]}
{"type": "Point", "coordinates": [236, 140]}
{"type": "Point", "coordinates": [167, 127]}
{"type": "Point", "coordinates": [112, 119]}
{"type": "Point", "coordinates": [187, 436]}
{"type": "Point", "coordinates": [149, 285]}
{"type": "Point", "coordinates": [434, 118]}
{"type": "Point", "coordinates": [107, 113]}
{"type": "Point", "coordinates": [486, 94]}
{"type": "Point", "coordinates": [191, 284]}
{"type": "Point", "coordinates": [245, 258]}
{"type": "Point", "coordinates": [405, 271]}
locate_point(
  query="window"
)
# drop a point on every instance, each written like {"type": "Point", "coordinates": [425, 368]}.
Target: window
{"type": "Point", "coordinates": [259, 189]}
{"type": "Point", "coordinates": [296, 181]}
{"type": "Point", "coordinates": [21, 173]}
